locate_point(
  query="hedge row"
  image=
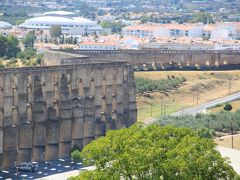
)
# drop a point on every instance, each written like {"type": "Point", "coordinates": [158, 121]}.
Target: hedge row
{"type": "Point", "coordinates": [148, 85]}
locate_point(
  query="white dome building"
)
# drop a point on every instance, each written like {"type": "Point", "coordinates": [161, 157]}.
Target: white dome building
{"type": "Point", "coordinates": [5, 25]}
{"type": "Point", "coordinates": [69, 22]}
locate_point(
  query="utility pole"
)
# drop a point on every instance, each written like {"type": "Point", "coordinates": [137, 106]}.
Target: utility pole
{"type": "Point", "coordinates": [162, 104]}
{"type": "Point", "coordinates": [231, 129]}
{"type": "Point", "coordinates": [197, 94]}
{"type": "Point", "coordinates": [164, 109]}
{"type": "Point", "coordinates": [229, 85]}
{"type": "Point", "coordinates": [193, 98]}
{"type": "Point", "coordinates": [151, 109]}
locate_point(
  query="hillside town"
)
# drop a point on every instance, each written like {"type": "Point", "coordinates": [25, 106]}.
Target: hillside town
{"type": "Point", "coordinates": [90, 35]}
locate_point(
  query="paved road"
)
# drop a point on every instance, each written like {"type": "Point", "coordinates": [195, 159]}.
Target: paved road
{"type": "Point", "coordinates": [66, 175]}
{"type": "Point", "coordinates": [233, 155]}
{"type": "Point", "coordinates": [202, 108]}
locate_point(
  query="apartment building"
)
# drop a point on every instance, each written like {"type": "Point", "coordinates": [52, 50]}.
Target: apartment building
{"type": "Point", "coordinates": [142, 31]}
{"type": "Point", "coordinates": [224, 31]}
{"type": "Point", "coordinates": [237, 30]}
{"type": "Point", "coordinates": [163, 30]}
{"type": "Point", "coordinates": [220, 31]}
{"type": "Point", "coordinates": [98, 46]}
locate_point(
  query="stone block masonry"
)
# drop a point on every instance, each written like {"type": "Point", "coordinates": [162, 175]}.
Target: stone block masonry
{"type": "Point", "coordinates": [158, 59]}
{"type": "Point", "coordinates": [46, 111]}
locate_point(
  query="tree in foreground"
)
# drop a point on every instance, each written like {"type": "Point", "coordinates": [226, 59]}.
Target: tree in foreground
{"type": "Point", "coordinates": [154, 152]}
{"type": "Point", "coordinates": [76, 156]}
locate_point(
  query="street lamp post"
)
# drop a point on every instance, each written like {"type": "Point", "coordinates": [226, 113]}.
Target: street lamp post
{"type": "Point", "coordinates": [231, 129]}
{"type": "Point", "coordinates": [228, 108]}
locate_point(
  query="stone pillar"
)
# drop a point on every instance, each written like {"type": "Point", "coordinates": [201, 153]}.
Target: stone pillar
{"type": "Point", "coordinates": [52, 116]}
{"type": "Point", "coordinates": [9, 146]}
{"type": "Point", "coordinates": [89, 120]}
{"type": "Point", "coordinates": [24, 107]}
{"type": "Point", "coordinates": [39, 121]}
{"type": "Point", "coordinates": [132, 105]}
{"type": "Point", "coordinates": [10, 132]}
{"type": "Point", "coordinates": [78, 126]}
{"type": "Point", "coordinates": [65, 137]}
{"type": "Point", "coordinates": [24, 143]}
{"type": "Point", "coordinates": [1, 119]}
{"type": "Point", "coordinates": [52, 146]}
{"type": "Point", "coordinates": [104, 101]}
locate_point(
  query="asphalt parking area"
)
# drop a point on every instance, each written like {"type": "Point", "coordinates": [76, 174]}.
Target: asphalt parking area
{"type": "Point", "coordinates": [44, 169]}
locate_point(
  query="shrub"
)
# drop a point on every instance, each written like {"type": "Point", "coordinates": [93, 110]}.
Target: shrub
{"type": "Point", "coordinates": [148, 85]}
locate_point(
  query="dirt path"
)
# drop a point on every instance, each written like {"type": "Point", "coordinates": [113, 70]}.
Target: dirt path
{"type": "Point", "coordinates": [226, 141]}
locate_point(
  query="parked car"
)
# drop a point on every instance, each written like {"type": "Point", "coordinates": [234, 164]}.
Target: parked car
{"type": "Point", "coordinates": [28, 166]}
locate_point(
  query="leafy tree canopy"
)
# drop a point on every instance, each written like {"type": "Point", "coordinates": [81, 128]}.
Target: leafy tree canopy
{"type": "Point", "coordinates": [115, 26]}
{"type": "Point", "coordinates": [228, 107]}
{"type": "Point", "coordinates": [8, 46]}
{"type": "Point", "coordinates": [29, 39]}
{"type": "Point", "coordinates": [203, 17]}
{"type": "Point", "coordinates": [75, 155]}
{"type": "Point", "coordinates": [55, 32]}
{"type": "Point", "coordinates": [154, 152]}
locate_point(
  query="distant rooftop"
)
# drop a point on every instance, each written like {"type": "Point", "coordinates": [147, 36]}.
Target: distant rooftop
{"type": "Point", "coordinates": [59, 13]}
{"type": "Point", "coordinates": [5, 25]}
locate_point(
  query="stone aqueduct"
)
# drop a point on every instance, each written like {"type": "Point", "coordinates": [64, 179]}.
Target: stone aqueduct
{"type": "Point", "coordinates": [168, 59]}
{"type": "Point", "coordinates": [74, 98]}
{"type": "Point", "coordinates": [45, 111]}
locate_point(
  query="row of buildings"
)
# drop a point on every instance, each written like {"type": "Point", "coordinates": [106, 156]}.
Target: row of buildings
{"type": "Point", "coordinates": [223, 31]}
{"type": "Point", "coordinates": [72, 24]}
{"type": "Point", "coordinates": [146, 36]}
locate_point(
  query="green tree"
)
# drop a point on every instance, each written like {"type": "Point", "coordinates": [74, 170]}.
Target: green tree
{"type": "Point", "coordinates": [3, 45]}
{"type": "Point", "coordinates": [228, 107]}
{"type": "Point", "coordinates": [76, 156]}
{"type": "Point", "coordinates": [29, 39]}
{"type": "Point", "coordinates": [115, 26]}
{"type": "Point", "coordinates": [9, 46]}
{"type": "Point", "coordinates": [203, 17]}
{"type": "Point", "coordinates": [28, 53]}
{"type": "Point", "coordinates": [154, 152]}
{"type": "Point", "coordinates": [55, 32]}
{"type": "Point", "coordinates": [12, 47]}
{"type": "Point", "coordinates": [46, 39]}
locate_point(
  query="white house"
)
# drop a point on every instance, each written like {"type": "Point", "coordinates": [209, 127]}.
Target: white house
{"type": "Point", "coordinates": [98, 46]}
{"type": "Point", "coordinates": [141, 31]}
{"type": "Point", "coordinates": [237, 30]}
{"type": "Point", "coordinates": [130, 43]}
{"type": "Point", "coordinates": [163, 30]}
{"type": "Point", "coordinates": [224, 31]}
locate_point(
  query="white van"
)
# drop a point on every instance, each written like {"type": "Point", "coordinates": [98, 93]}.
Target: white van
{"type": "Point", "coordinates": [28, 166]}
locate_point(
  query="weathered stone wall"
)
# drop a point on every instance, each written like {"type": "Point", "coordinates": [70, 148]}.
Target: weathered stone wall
{"type": "Point", "coordinates": [165, 59]}
{"type": "Point", "coordinates": [45, 111]}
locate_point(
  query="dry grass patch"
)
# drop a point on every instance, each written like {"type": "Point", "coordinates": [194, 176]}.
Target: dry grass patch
{"type": "Point", "coordinates": [226, 141]}
{"type": "Point", "coordinates": [209, 85]}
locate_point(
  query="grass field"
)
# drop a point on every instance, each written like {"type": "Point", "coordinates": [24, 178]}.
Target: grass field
{"type": "Point", "coordinates": [227, 142]}
{"type": "Point", "coordinates": [208, 85]}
